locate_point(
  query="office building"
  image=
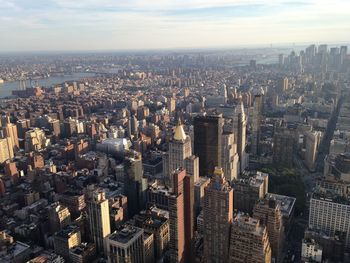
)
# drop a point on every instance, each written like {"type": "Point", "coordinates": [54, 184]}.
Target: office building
{"type": "Point", "coordinates": [10, 131]}
{"type": "Point", "coordinates": [126, 245]}
{"type": "Point", "coordinates": [199, 190]}
{"type": "Point", "coordinates": [6, 150]}
{"type": "Point", "coordinates": [311, 251]}
{"type": "Point", "coordinates": [258, 108]}
{"type": "Point", "coordinates": [249, 241]}
{"type": "Point", "coordinates": [66, 239]}
{"type": "Point", "coordinates": [217, 216]}
{"type": "Point", "coordinates": [229, 158]}
{"type": "Point", "coordinates": [59, 217]}
{"type": "Point", "coordinates": [180, 155]}
{"type": "Point", "coordinates": [208, 142]}
{"type": "Point", "coordinates": [99, 220]}
{"type": "Point", "coordinates": [268, 211]}
{"type": "Point", "coordinates": [283, 84]}
{"type": "Point", "coordinates": [23, 125]}
{"type": "Point", "coordinates": [330, 213]}
{"type": "Point", "coordinates": [239, 130]}
{"type": "Point", "coordinates": [35, 140]}
{"type": "Point", "coordinates": [181, 217]}
{"type": "Point", "coordinates": [249, 190]}
{"type": "Point", "coordinates": [284, 142]}
{"type": "Point", "coordinates": [135, 184]}
{"type": "Point", "coordinates": [83, 253]}
{"type": "Point", "coordinates": [313, 140]}
{"type": "Point", "coordinates": [158, 225]}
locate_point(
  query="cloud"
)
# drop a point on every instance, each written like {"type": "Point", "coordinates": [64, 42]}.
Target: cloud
{"type": "Point", "coordinates": [116, 24]}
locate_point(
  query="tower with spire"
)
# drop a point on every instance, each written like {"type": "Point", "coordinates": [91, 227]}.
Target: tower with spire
{"type": "Point", "coordinates": [239, 129]}
{"type": "Point", "coordinates": [180, 155]}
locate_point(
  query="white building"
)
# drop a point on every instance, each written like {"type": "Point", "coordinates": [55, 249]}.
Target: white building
{"type": "Point", "coordinates": [311, 251]}
{"type": "Point", "coordinates": [330, 214]}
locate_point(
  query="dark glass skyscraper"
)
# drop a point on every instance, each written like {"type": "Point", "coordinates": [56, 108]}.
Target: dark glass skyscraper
{"type": "Point", "coordinates": [207, 142]}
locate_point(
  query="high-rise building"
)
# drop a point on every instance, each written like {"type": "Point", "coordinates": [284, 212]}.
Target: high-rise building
{"type": "Point", "coordinates": [99, 220]}
{"type": "Point", "coordinates": [23, 125]}
{"type": "Point", "coordinates": [280, 60]}
{"type": "Point", "coordinates": [66, 239]}
{"type": "Point", "coordinates": [181, 217]}
{"type": "Point", "coordinates": [135, 184]}
{"type": "Point", "coordinates": [256, 122]}
{"type": "Point", "coordinates": [158, 225]}
{"type": "Point", "coordinates": [180, 155]}
{"type": "Point", "coordinates": [330, 214]}
{"type": "Point", "coordinates": [229, 157]}
{"type": "Point", "coordinates": [10, 131]}
{"type": "Point", "coordinates": [217, 216]}
{"type": "Point", "coordinates": [249, 190]}
{"type": "Point", "coordinates": [6, 149]}
{"type": "Point", "coordinates": [83, 253]}
{"type": "Point", "coordinates": [268, 211]}
{"type": "Point", "coordinates": [126, 245]}
{"type": "Point", "coordinates": [284, 146]}
{"type": "Point", "coordinates": [249, 241]}
{"type": "Point", "coordinates": [171, 105]}
{"type": "Point", "coordinates": [313, 140]}
{"type": "Point", "coordinates": [239, 129]}
{"type": "Point", "coordinates": [207, 142]}
{"type": "Point", "coordinates": [59, 217]}
{"type": "Point", "coordinates": [283, 84]}
{"type": "Point", "coordinates": [35, 140]}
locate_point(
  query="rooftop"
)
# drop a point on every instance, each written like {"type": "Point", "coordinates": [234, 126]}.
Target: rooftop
{"type": "Point", "coordinates": [126, 234]}
{"type": "Point", "coordinates": [286, 203]}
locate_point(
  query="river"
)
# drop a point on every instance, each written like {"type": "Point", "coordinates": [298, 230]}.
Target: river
{"type": "Point", "coordinates": [6, 88]}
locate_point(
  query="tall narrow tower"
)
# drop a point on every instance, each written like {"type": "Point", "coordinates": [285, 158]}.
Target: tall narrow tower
{"type": "Point", "coordinates": [135, 185]}
{"type": "Point", "coordinates": [217, 215]}
{"type": "Point", "coordinates": [98, 211]}
{"type": "Point", "coordinates": [207, 142]}
{"type": "Point", "coordinates": [180, 155]}
{"type": "Point", "coordinates": [181, 217]}
{"type": "Point", "coordinates": [256, 122]}
{"type": "Point", "coordinates": [239, 129]}
{"type": "Point", "coordinates": [268, 211]}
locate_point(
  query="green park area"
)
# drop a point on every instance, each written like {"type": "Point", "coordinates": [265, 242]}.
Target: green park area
{"type": "Point", "coordinates": [287, 182]}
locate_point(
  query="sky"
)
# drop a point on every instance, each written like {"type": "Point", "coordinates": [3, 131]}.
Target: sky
{"type": "Point", "coordinates": [58, 25]}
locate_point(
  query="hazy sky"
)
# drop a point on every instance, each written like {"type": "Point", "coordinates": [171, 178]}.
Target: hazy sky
{"type": "Point", "coordinates": [151, 24]}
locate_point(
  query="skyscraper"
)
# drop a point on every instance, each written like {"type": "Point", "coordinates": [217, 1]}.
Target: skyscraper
{"type": "Point", "coordinates": [126, 245]}
{"type": "Point", "coordinates": [66, 239]}
{"type": "Point", "coordinates": [256, 122]}
{"type": "Point", "coordinates": [181, 217]}
{"type": "Point", "coordinates": [248, 190]}
{"type": "Point", "coordinates": [10, 131]}
{"type": "Point", "coordinates": [180, 155]}
{"type": "Point", "coordinates": [135, 185]}
{"type": "Point", "coordinates": [268, 211]}
{"type": "Point", "coordinates": [313, 140]}
{"type": "Point", "coordinates": [6, 149]}
{"type": "Point", "coordinates": [249, 241]}
{"type": "Point", "coordinates": [59, 217]}
{"type": "Point", "coordinates": [283, 85]}
{"type": "Point", "coordinates": [217, 216]}
{"type": "Point", "coordinates": [99, 220]}
{"type": "Point", "coordinates": [284, 146]}
{"type": "Point", "coordinates": [239, 129]}
{"type": "Point", "coordinates": [229, 157]}
{"type": "Point", "coordinates": [207, 142]}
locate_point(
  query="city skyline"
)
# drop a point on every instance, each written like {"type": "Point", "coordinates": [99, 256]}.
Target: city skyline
{"type": "Point", "coordinates": [139, 25]}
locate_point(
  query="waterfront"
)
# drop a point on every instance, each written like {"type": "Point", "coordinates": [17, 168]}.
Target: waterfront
{"type": "Point", "coordinates": [6, 88]}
